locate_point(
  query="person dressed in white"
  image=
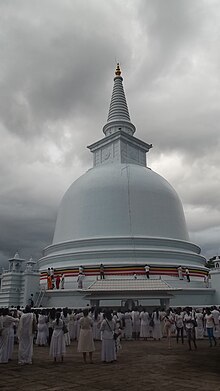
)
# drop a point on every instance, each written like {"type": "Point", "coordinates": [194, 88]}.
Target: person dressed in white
{"type": "Point", "coordinates": [26, 328]}
{"type": "Point", "coordinates": [51, 318]}
{"type": "Point", "coordinates": [168, 325]}
{"type": "Point", "coordinates": [179, 325]}
{"type": "Point", "coordinates": [215, 314]}
{"type": "Point", "coordinates": [72, 330]}
{"type": "Point", "coordinates": [75, 323]}
{"type": "Point", "coordinates": [57, 345]}
{"type": "Point", "coordinates": [136, 323]}
{"type": "Point", "coordinates": [210, 325]}
{"type": "Point", "coordinates": [7, 322]}
{"type": "Point", "coordinates": [86, 343]}
{"type": "Point", "coordinates": [189, 323]}
{"type": "Point", "coordinates": [42, 329]}
{"type": "Point", "coordinates": [108, 343]}
{"type": "Point", "coordinates": [162, 321]}
{"type": "Point", "coordinates": [206, 280]}
{"type": "Point", "coordinates": [11, 340]}
{"type": "Point", "coordinates": [120, 317]}
{"type": "Point", "coordinates": [115, 316]}
{"type": "Point", "coordinates": [147, 271]}
{"type": "Point", "coordinates": [128, 325]}
{"type": "Point", "coordinates": [200, 324]}
{"type": "Point", "coordinates": [96, 317]}
{"type": "Point", "coordinates": [79, 315]}
{"type": "Point", "coordinates": [65, 317]}
{"type": "Point", "coordinates": [144, 327]}
{"type": "Point", "coordinates": [62, 281]}
{"type": "Point", "coordinates": [80, 279]}
{"type": "Point", "coordinates": [118, 333]}
{"type": "Point", "coordinates": [187, 275]}
{"type": "Point", "coordinates": [81, 269]}
{"type": "Point", "coordinates": [180, 272]}
{"type": "Point", "coordinates": [156, 333]}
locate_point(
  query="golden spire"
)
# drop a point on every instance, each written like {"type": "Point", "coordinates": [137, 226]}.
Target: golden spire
{"type": "Point", "coordinates": [118, 70]}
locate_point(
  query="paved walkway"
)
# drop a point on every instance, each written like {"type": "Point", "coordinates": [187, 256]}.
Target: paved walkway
{"type": "Point", "coordinates": [142, 365]}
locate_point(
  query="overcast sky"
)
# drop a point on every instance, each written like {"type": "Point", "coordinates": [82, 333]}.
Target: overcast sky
{"type": "Point", "coordinates": [56, 77]}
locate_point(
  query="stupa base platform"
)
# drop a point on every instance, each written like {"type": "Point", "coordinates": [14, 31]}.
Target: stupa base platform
{"type": "Point", "coordinates": [128, 293]}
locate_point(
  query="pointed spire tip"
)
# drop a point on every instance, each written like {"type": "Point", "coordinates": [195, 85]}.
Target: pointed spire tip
{"type": "Point", "coordinates": [118, 70]}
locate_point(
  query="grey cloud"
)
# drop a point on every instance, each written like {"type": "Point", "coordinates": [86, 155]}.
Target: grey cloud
{"type": "Point", "coordinates": [54, 69]}
{"type": "Point", "coordinates": [56, 79]}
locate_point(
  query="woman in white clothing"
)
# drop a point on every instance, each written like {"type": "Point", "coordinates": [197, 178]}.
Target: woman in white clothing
{"type": "Point", "coordinates": [168, 325]}
{"type": "Point", "coordinates": [156, 333]}
{"type": "Point", "coordinates": [51, 318]}
{"type": "Point", "coordinates": [162, 322]}
{"type": "Point", "coordinates": [215, 314]}
{"type": "Point", "coordinates": [179, 325]}
{"type": "Point", "coordinates": [42, 329]}
{"type": "Point", "coordinates": [79, 315]}
{"type": "Point", "coordinates": [86, 344]}
{"type": "Point", "coordinates": [57, 345]}
{"type": "Point", "coordinates": [128, 325]}
{"type": "Point", "coordinates": [136, 323]}
{"type": "Point", "coordinates": [66, 319]}
{"type": "Point", "coordinates": [7, 322]}
{"type": "Point", "coordinates": [200, 324]}
{"type": "Point", "coordinates": [144, 327]}
{"type": "Point", "coordinates": [108, 343]}
{"type": "Point", "coordinates": [72, 326]}
{"type": "Point", "coordinates": [96, 325]}
{"type": "Point", "coordinates": [11, 340]}
{"type": "Point", "coordinates": [26, 328]}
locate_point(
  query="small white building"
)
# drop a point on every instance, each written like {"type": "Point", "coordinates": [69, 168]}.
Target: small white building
{"type": "Point", "coordinates": [215, 279]}
{"type": "Point", "coordinates": [19, 282]}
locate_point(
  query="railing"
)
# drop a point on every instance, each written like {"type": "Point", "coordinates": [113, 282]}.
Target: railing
{"type": "Point", "coordinates": [40, 297]}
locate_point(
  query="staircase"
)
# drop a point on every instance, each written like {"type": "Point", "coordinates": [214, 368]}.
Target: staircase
{"type": "Point", "coordinates": [40, 297]}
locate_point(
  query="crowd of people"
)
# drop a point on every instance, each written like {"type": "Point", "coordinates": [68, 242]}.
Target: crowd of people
{"type": "Point", "coordinates": [56, 328]}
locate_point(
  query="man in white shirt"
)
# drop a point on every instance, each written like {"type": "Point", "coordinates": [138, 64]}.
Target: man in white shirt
{"type": "Point", "coordinates": [80, 269]}
{"type": "Point", "coordinates": [215, 313]}
{"type": "Point", "coordinates": [147, 271]}
{"type": "Point", "coordinates": [189, 322]}
{"type": "Point", "coordinates": [187, 275]}
{"type": "Point", "coordinates": [80, 280]}
{"type": "Point", "coordinates": [210, 326]}
{"type": "Point", "coordinates": [206, 280]}
{"type": "Point", "coordinates": [62, 281]}
{"type": "Point", "coordinates": [180, 272]}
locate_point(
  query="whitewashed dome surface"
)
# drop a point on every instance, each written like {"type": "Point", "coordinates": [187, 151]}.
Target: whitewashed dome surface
{"type": "Point", "coordinates": [120, 200]}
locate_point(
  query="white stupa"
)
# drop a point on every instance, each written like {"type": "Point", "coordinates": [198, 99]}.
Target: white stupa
{"type": "Point", "coordinates": [123, 215]}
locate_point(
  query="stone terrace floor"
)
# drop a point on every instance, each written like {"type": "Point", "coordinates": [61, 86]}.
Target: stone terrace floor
{"type": "Point", "coordinates": [142, 365]}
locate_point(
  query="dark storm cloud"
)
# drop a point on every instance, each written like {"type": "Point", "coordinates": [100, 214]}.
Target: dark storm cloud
{"type": "Point", "coordinates": [179, 79]}
{"type": "Point", "coordinates": [56, 77]}
{"type": "Point", "coordinates": [55, 66]}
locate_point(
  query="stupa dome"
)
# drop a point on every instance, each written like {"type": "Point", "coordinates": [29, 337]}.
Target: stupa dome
{"type": "Point", "coordinates": [120, 200]}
